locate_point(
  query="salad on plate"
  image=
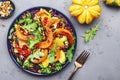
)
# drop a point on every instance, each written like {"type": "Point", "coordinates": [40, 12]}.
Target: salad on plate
{"type": "Point", "coordinates": [41, 41]}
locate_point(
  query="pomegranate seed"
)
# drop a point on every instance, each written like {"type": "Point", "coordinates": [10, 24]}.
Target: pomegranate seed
{"type": "Point", "coordinates": [24, 47]}
{"type": "Point", "coordinates": [60, 24]}
{"type": "Point", "coordinates": [10, 50]}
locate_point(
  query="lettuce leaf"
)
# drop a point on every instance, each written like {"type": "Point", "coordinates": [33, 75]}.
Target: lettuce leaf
{"type": "Point", "coordinates": [27, 20]}
{"type": "Point", "coordinates": [27, 63]}
{"type": "Point", "coordinates": [70, 51]}
{"type": "Point", "coordinates": [30, 27]}
{"type": "Point", "coordinates": [51, 55]}
{"type": "Point", "coordinates": [37, 38]}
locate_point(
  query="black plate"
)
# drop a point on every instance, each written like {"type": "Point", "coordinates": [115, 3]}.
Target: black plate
{"type": "Point", "coordinates": [38, 8]}
{"type": "Point", "coordinates": [11, 11]}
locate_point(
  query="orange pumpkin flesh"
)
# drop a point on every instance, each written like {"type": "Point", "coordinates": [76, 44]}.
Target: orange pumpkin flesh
{"type": "Point", "coordinates": [57, 54]}
{"type": "Point", "coordinates": [48, 42]}
{"type": "Point", "coordinates": [66, 33]}
{"type": "Point", "coordinates": [19, 34]}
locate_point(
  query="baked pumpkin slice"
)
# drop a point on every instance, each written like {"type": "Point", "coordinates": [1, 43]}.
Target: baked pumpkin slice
{"type": "Point", "coordinates": [66, 33]}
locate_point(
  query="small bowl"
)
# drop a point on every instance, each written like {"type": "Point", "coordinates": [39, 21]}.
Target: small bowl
{"type": "Point", "coordinates": [11, 11]}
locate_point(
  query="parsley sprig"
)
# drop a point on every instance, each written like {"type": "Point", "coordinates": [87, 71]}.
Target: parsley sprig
{"type": "Point", "coordinates": [90, 34]}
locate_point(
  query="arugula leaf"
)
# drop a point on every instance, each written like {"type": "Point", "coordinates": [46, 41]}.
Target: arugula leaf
{"type": "Point", "coordinates": [28, 15]}
{"type": "Point", "coordinates": [90, 34]}
{"type": "Point", "coordinates": [10, 34]}
{"type": "Point", "coordinates": [46, 70]}
{"type": "Point", "coordinates": [40, 65]}
{"type": "Point", "coordinates": [58, 66]}
{"type": "Point", "coordinates": [21, 21]}
{"type": "Point", "coordinates": [18, 61]}
{"type": "Point", "coordinates": [26, 64]}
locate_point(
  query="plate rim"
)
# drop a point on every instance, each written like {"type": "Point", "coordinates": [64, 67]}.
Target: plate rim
{"type": "Point", "coordinates": [8, 43]}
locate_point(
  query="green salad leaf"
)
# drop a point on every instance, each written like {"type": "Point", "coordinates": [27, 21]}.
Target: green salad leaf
{"type": "Point", "coordinates": [26, 20]}
{"type": "Point", "coordinates": [40, 65]}
{"type": "Point", "coordinates": [90, 34]}
{"type": "Point", "coordinates": [70, 53]}
{"type": "Point", "coordinates": [21, 21]}
{"type": "Point", "coordinates": [28, 15]}
{"type": "Point", "coordinates": [27, 62]}
{"type": "Point", "coordinates": [37, 38]}
{"type": "Point", "coordinates": [52, 52]}
{"type": "Point", "coordinates": [18, 60]}
{"type": "Point", "coordinates": [30, 27]}
{"type": "Point", "coordinates": [46, 70]}
{"type": "Point", "coordinates": [58, 66]}
{"type": "Point", "coordinates": [10, 34]}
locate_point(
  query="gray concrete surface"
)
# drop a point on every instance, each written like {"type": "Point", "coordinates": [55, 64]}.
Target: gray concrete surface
{"type": "Point", "coordinates": [104, 61]}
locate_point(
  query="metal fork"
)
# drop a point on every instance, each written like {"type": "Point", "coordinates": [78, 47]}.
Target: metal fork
{"type": "Point", "coordinates": [79, 62]}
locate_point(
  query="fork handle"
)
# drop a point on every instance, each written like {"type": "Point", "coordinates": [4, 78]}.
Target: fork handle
{"type": "Point", "coordinates": [74, 71]}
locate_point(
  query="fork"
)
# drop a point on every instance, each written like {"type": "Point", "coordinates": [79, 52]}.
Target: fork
{"type": "Point", "coordinates": [79, 62]}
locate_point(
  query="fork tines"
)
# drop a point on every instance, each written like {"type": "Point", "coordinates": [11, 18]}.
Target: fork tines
{"type": "Point", "coordinates": [82, 57]}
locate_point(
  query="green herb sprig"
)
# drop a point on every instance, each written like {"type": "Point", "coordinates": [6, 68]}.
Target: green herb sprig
{"type": "Point", "coordinates": [90, 34]}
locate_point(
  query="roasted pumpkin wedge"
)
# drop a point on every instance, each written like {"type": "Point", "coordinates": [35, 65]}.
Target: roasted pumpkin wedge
{"type": "Point", "coordinates": [57, 54]}
{"type": "Point", "coordinates": [66, 33]}
{"type": "Point", "coordinates": [48, 41]}
{"type": "Point", "coordinates": [20, 35]}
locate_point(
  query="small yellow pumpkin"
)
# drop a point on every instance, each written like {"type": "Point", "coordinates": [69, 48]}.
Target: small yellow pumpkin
{"type": "Point", "coordinates": [85, 10]}
{"type": "Point", "coordinates": [112, 2]}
